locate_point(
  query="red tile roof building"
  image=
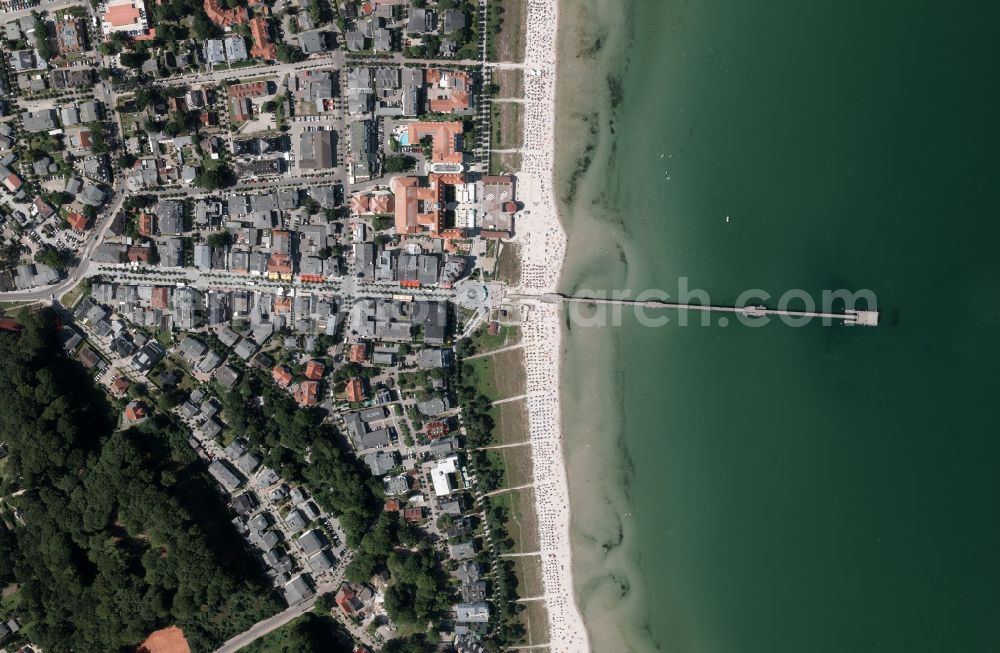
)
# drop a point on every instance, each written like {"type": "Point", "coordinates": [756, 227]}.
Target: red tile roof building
{"type": "Point", "coordinates": [225, 17]}
{"type": "Point", "coordinates": [78, 221]}
{"type": "Point", "coordinates": [147, 224]}
{"type": "Point", "coordinates": [360, 204]}
{"type": "Point", "coordinates": [382, 204]}
{"type": "Point", "coordinates": [279, 264]}
{"type": "Point", "coordinates": [138, 254]}
{"type": "Point", "coordinates": [247, 89]}
{"type": "Point", "coordinates": [263, 47]}
{"type": "Point", "coordinates": [355, 389]}
{"type": "Point", "coordinates": [282, 375]}
{"type": "Point", "coordinates": [160, 297]}
{"type": "Point", "coordinates": [448, 90]}
{"type": "Point", "coordinates": [119, 386]}
{"type": "Point", "coordinates": [283, 305]}
{"type": "Point", "coordinates": [413, 515]}
{"type": "Point", "coordinates": [314, 370]}
{"type": "Point", "coordinates": [444, 135]}
{"type": "Point", "coordinates": [12, 182]}
{"type": "Point", "coordinates": [307, 393]}
{"type": "Point", "coordinates": [359, 353]}
{"type": "Point", "coordinates": [437, 430]}
{"type": "Point", "coordinates": [135, 411]}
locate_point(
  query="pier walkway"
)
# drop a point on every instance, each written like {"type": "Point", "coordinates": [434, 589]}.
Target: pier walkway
{"type": "Point", "coordinates": [849, 316]}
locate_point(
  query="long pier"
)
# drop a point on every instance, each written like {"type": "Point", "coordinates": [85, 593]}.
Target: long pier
{"type": "Point", "coordinates": [849, 317]}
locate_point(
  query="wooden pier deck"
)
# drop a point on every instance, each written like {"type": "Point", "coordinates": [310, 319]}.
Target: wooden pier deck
{"type": "Point", "coordinates": [849, 316]}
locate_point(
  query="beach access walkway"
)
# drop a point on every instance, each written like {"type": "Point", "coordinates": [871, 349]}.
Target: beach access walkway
{"type": "Point", "coordinates": [526, 443]}
{"type": "Point", "coordinates": [511, 489]}
{"type": "Point", "coordinates": [501, 350]}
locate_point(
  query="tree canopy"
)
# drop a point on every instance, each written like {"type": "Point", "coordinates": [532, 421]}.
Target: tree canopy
{"type": "Point", "coordinates": [122, 533]}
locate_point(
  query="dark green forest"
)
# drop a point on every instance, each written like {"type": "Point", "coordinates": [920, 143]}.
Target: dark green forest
{"type": "Point", "coordinates": [120, 533]}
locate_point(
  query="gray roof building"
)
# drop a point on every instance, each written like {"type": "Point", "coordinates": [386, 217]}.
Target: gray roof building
{"type": "Point", "coordinates": [169, 216]}
{"type": "Point", "coordinates": [418, 21]}
{"type": "Point", "coordinates": [295, 521]}
{"type": "Point", "coordinates": [454, 20]}
{"type": "Point", "coordinates": [41, 120]}
{"type": "Point", "coordinates": [298, 589]}
{"type": "Point", "coordinates": [215, 51]}
{"type": "Point", "coordinates": [245, 348]}
{"type": "Point", "coordinates": [91, 195]}
{"type": "Point", "coordinates": [376, 438]}
{"type": "Point", "coordinates": [433, 406]}
{"type": "Point", "coordinates": [202, 256]}
{"type": "Point", "coordinates": [462, 551]}
{"type": "Point", "coordinates": [355, 40]}
{"type": "Point", "coordinates": [443, 447]}
{"type": "Point", "coordinates": [372, 414]}
{"type": "Point", "coordinates": [69, 116]}
{"type": "Point", "coordinates": [22, 60]}
{"type": "Point", "coordinates": [236, 48]}
{"type": "Point", "coordinates": [226, 376]}
{"type": "Point", "coordinates": [321, 562]}
{"type": "Point", "coordinates": [383, 40]}
{"type": "Point", "coordinates": [473, 612]}
{"type": "Point", "coordinates": [316, 150]}
{"type": "Point", "coordinates": [209, 362]}
{"type": "Point", "coordinates": [225, 475]}
{"type": "Point", "coordinates": [380, 462]}
{"type": "Point", "coordinates": [89, 111]}
{"type": "Point", "coordinates": [192, 348]}
{"type": "Point", "coordinates": [312, 542]}
{"type": "Point", "coordinates": [314, 41]}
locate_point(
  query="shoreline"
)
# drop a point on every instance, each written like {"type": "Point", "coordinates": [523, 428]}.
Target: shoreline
{"type": "Point", "coordinates": [543, 251]}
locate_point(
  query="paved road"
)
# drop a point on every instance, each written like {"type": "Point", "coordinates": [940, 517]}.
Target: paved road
{"type": "Point", "coordinates": [271, 624]}
{"type": "Point", "coordinates": [268, 625]}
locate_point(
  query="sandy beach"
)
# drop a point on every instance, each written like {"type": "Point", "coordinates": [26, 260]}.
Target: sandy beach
{"type": "Point", "coordinates": [543, 248]}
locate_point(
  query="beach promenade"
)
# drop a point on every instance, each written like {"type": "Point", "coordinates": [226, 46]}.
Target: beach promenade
{"type": "Point", "coordinates": [543, 248]}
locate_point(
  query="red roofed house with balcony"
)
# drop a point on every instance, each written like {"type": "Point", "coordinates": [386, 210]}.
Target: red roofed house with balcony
{"type": "Point", "coordinates": [347, 601]}
{"type": "Point", "coordinates": [448, 90]}
{"type": "Point", "coordinates": [437, 430]}
{"type": "Point", "coordinates": [392, 505]}
{"type": "Point", "coordinates": [12, 182]}
{"type": "Point", "coordinates": [355, 389]}
{"type": "Point", "coordinates": [307, 393]}
{"type": "Point", "coordinates": [283, 305]}
{"type": "Point", "coordinates": [382, 204]}
{"type": "Point", "coordinates": [282, 375]}
{"type": "Point", "coordinates": [42, 208]}
{"type": "Point", "coordinates": [160, 297]}
{"type": "Point", "coordinates": [359, 353]}
{"type": "Point", "coordinates": [138, 254]}
{"type": "Point", "coordinates": [78, 221]}
{"type": "Point", "coordinates": [120, 386]}
{"type": "Point", "coordinates": [147, 224]}
{"type": "Point", "coordinates": [263, 47]}
{"type": "Point", "coordinates": [125, 16]}
{"type": "Point", "coordinates": [135, 411]}
{"type": "Point", "coordinates": [279, 264]}
{"type": "Point", "coordinates": [225, 17]}
{"type": "Point", "coordinates": [413, 515]}
{"type": "Point", "coordinates": [314, 370]}
{"type": "Point", "coordinates": [360, 204]}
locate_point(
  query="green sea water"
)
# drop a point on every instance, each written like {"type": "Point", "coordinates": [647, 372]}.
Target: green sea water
{"type": "Point", "coordinates": [815, 489]}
